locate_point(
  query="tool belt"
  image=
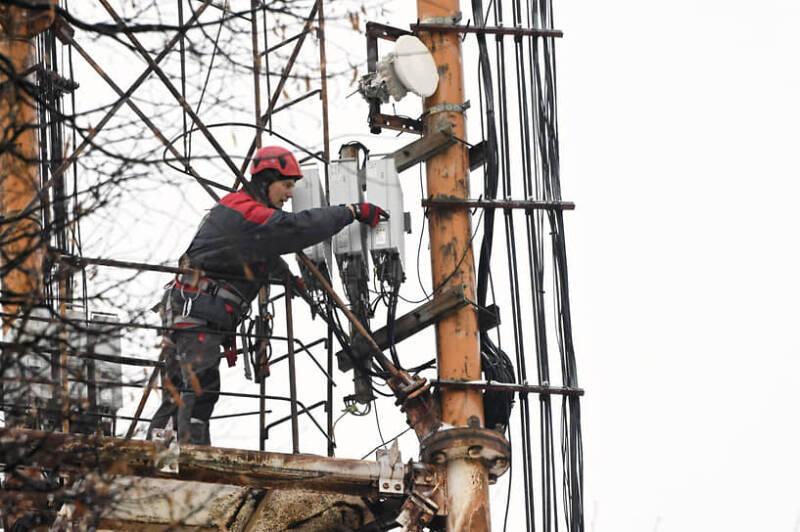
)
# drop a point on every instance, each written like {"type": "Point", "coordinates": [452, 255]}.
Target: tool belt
{"type": "Point", "coordinates": [215, 302]}
{"type": "Point", "coordinates": [205, 285]}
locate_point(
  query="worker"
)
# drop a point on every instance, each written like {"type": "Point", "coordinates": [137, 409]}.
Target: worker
{"type": "Point", "coordinates": [239, 242]}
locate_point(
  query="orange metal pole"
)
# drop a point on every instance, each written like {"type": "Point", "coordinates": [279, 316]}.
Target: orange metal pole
{"type": "Point", "coordinates": [458, 343]}
{"type": "Point", "coordinates": [19, 176]}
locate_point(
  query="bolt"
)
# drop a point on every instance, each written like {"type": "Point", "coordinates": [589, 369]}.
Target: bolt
{"type": "Point", "coordinates": [397, 487]}
{"type": "Point", "coordinates": [428, 478]}
{"type": "Point", "coordinates": [474, 422]}
{"type": "Point", "coordinates": [439, 457]}
{"type": "Point", "coordinates": [386, 485]}
{"type": "Point", "coordinates": [474, 451]}
{"type": "Point", "coordinates": [500, 463]}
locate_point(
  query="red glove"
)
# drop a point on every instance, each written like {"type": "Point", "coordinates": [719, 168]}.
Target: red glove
{"type": "Point", "coordinates": [369, 214]}
{"type": "Point", "coordinates": [299, 284]}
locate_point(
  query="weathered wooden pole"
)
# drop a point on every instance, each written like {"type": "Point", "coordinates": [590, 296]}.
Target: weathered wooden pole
{"type": "Point", "coordinates": [19, 154]}
{"type": "Point", "coordinates": [457, 339]}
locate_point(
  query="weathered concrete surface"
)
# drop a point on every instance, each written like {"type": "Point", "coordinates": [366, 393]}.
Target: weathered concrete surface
{"type": "Point", "coordinates": [159, 504]}
{"type": "Point", "coordinates": [307, 511]}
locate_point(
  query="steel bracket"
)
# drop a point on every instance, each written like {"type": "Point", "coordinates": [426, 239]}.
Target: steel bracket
{"type": "Point", "coordinates": [426, 498]}
{"type": "Point", "coordinates": [423, 148]}
{"type": "Point", "coordinates": [390, 480]}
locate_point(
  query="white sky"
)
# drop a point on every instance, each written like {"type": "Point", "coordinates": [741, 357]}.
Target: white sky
{"type": "Point", "coordinates": [678, 127]}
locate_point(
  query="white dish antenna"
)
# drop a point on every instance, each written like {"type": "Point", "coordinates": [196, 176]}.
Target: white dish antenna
{"type": "Point", "coordinates": [414, 66]}
{"type": "Point", "coordinates": [410, 67]}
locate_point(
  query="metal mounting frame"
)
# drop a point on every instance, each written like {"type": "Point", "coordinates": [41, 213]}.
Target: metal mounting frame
{"type": "Point", "coordinates": [376, 119]}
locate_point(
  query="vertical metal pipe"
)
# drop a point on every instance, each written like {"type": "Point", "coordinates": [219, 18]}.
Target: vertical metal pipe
{"type": "Point", "coordinates": [292, 372]}
{"type": "Point", "coordinates": [263, 296]}
{"type": "Point", "coordinates": [264, 13]}
{"type": "Point", "coordinates": [262, 410]}
{"type": "Point", "coordinates": [452, 263]}
{"type": "Point", "coordinates": [62, 346]}
{"type": "Point", "coordinates": [256, 68]}
{"type": "Point", "coordinates": [182, 48]}
{"type": "Point", "coordinates": [262, 406]}
{"type": "Point", "coordinates": [323, 72]}
{"type": "Point", "coordinates": [329, 399]}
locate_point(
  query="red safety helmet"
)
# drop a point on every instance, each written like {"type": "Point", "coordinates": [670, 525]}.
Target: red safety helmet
{"type": "Point", "coordinates": [277, 158]}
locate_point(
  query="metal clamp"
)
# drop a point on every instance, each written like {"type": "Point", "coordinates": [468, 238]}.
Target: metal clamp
{"type": "Point", "coordinates": [452, 21]}
{"type": "Point", "coordinates": [392, 471]}
{"type": "Point", "coordinates": [448, 107]}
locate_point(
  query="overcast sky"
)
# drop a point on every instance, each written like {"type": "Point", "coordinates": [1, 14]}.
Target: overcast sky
{"type": "Point", "coordinates": [679, 134]}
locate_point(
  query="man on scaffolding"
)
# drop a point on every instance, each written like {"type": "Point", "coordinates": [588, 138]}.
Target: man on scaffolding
{"type": "Point", "coordinates": [239, 243]}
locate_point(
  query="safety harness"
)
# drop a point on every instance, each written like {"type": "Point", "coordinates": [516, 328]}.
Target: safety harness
{"type": "Point", "coordinates": [202, 301]}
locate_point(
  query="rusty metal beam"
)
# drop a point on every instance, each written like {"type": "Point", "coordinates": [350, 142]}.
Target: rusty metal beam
{"type": "Point", "coordinates": [215, 465]}
{"type": "Point", "coordinates": [384, 31]}
{"type": "Point", "coordinates": [292, 372]}
{"type": "Point", "coordinates": [409, 324]}
{"type": "Point", "coordinates": [422, 149]}
{"type": "Point", "coordinates": [323, 70]}
{"type": "Point", "coordinates": [398, 123]}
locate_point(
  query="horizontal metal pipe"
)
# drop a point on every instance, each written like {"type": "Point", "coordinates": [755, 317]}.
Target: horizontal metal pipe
{"type": "Point", "coordinates": [12, 406]}
{"type": "Point", "coordinates": [492, 30]}
{"type": "Point", "coordinates": [252, 469]}
{"type": "Point", "coordinates": [499, 204]}
{"type": "Point", "coordinates": [508, 387]}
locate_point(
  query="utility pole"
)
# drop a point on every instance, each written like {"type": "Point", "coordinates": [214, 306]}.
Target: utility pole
{"type": "Point", "coordinates": [452, 263]}
{"type": "Point", "coordinates": [19, 154]}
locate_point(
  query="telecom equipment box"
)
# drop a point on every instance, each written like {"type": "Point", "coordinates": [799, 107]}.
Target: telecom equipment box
{"type": "Point", "coordinates": [42, 331]}
{"type": "Point", "coordinates": [308, 194]}
{"type": "Point", "coordinates": [383, 189]}
{"type": "Point", "coordinates": [344, 190]}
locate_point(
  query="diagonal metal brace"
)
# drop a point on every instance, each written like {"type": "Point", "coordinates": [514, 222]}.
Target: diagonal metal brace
{"type": "Point", "coordinates": [423, 149]}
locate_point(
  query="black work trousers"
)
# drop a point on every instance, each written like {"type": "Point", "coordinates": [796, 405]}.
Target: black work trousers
{"type": "Point", "coordinates": [198, 354]}
{"type": "Point", "coordinates": [169, 406]}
